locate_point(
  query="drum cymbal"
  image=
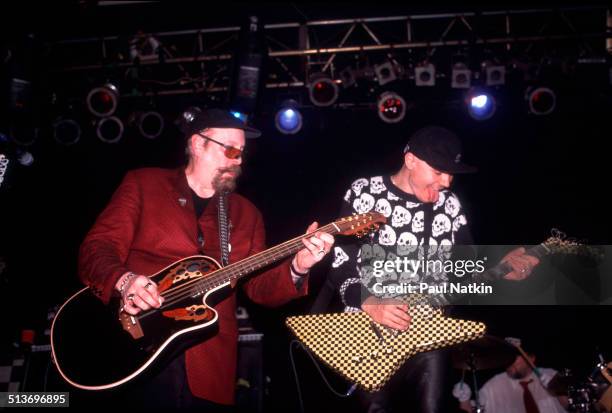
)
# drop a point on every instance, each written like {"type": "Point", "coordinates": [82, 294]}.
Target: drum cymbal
{"type": "Point", "coordinates": [487, 352]}
{"type": "Point", "coordinates": [560, 384]}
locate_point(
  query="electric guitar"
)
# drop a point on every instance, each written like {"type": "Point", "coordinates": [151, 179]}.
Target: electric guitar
{"type": "Point", "coordinates": [369, 354]}
{"type": "Point", "coordinates": [97, 346]}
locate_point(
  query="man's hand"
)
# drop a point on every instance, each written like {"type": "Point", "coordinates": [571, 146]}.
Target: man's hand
{"type": "Point", "coordinates": [390, 313]}
{"type": "Point", "coordinates": [317, 247]}
{"type": "Point", "coordinates": [139, 293]}
{"type": "Point", "coordinates": [521, 263]}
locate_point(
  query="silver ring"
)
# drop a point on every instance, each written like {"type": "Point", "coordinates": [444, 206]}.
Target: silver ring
{"type": "Point", "coordinates": [130, 297]}
{"type": "Point", "coordinates": [321, 251]}
{"type": "Point", "coordinates": [523, 270]}
{"type": "Point", "coordinates": [147, 285]}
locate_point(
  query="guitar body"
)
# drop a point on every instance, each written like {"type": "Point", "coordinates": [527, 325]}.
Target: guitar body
{"type": "Point", "coordinates": [97, 347]}
{"type": "Point", "coordinates": [368, 353]}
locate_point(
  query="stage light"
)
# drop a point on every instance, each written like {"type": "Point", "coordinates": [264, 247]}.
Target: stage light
{"type": "Point", "coordinates": [66, 131]}
{"type": "Point", "coordinates": [110, 129]}
{"type": "Point", "coordinates": [102, 101]}
{"type": "Point", "coordinates": [288, 119]}
{"type": "Point", "coordinates": [495, 75]}
{"type": "Point", "coordinates": [150, 124]}
{"type": "Point", "coordinates": [385, 73]}
{"type": "Point", "coordinates": [391, 107]}
{"type": "Point", "coordinates": [323, 91]}
{"type": "Point", "coordinates": [480, 104]}
{"type": "Point", "coordinates": [461, 77]}
{"type": "Point", "coordinates": [347, 76]}
{"type": "Point", "coordinates": [425, 75]}
{"type": "Point", "coordinates": [541, 100]}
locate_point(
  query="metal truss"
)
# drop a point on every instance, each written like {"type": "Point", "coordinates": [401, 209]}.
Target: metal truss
{"type": "Point", "coordinates": [195, 61]}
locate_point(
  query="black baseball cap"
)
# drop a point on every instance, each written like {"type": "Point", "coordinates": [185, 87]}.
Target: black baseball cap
{"type": "Point", "coordinates": [198, 120]}
{"type": "Point", "coordinates": [440, 148]}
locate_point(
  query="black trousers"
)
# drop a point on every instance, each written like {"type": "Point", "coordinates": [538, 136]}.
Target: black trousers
{"type": "Point", "coordinates": [421, 385]}
{"type": "Point", "coordinates": [168, 391]}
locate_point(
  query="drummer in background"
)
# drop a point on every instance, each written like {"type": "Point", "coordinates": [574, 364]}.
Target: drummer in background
{"type": "Point", "coordinates": [518, 390]}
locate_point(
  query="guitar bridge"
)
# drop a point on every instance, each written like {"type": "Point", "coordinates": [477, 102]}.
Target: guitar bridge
{"type": "Point", "coordinates": [131, 325]}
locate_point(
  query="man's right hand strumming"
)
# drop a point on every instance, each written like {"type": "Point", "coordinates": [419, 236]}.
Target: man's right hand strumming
{"type": "Point", "coordinates": [388, 312]}
{"type": "Point", "coordinates": [138, 293]}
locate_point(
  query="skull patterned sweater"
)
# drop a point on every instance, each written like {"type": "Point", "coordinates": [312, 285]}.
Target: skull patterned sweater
{"type": "Point", "coordinates": [359, 265]}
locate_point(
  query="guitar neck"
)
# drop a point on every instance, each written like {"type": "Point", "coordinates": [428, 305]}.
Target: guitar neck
{"type": "Point", "coordinates": [492, 274]}
{"type": "Point", "coordinates": [245, 267]}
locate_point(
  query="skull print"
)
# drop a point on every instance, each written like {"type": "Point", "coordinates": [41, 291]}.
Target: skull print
{"type": "Point", "coordinates": [340, 257]}
{"type": "Point", "coordinates": [452, 206]}
{"type": "Point", "coordinates": [401, 216]}
{"type": "Point", "coordinates": [441, 224]}
{"type": "Point", "coordinates": [384, 207]}
{"type": "Point", "coordinates": [358, 185]}
{"type": "Point", "coordinates": [364, 203]}
{"type": "Point", "coordinates": [376, 185]}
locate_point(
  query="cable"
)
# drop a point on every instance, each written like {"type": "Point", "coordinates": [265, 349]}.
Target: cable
{"type": "Point", "coordinates": [297, 381]}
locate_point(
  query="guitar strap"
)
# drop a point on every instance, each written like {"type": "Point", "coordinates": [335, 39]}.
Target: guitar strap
{"type": "Point", "coordinates": [223, 227]}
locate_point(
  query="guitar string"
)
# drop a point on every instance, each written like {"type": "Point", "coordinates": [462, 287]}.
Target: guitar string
{"type": "Point", "coordinates": [186, 290]}
{"type": "Point", "coordinates": [251, 261]}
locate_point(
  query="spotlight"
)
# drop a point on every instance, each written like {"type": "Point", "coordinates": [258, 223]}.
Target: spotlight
{"type": "Point", "coordinates": [150, 124]}
{"type": "Point", "coordinates": [322, 90]}
{"type": "Point", "coordinates": [288, 119]}
{"type": "Point", "coordinates": [461, 77]}
{"type": "Point", "coordinates": [495, 75]}
{"type": "Point", "coordinates": [102, 101]}
{"type": "Point", "coordinates": [110, 129]}
{"type": "Point", "coordinates": [385, 73]}
{"type": "Point", "coordinates": [391, 107]}
{"type": "Point", "coordinates": [66, 131]}
{"type": "Point", "coordinates": [348, 78]}
{"type": "Point", "coordinates": [481, 105]}
{"type": "Point", "coordinates": [541, 100]}
{"type": "Point", "coordinates": [238, 115]}
{"type": "Point", "coordinates": [425, 75]}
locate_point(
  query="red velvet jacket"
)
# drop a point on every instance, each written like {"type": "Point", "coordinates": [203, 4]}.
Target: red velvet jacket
{"type": "Point", "coordinates": [145, 227]}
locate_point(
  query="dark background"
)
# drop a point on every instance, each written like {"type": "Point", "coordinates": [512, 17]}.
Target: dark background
{"type": "Point", "coordinates": [535, 173]}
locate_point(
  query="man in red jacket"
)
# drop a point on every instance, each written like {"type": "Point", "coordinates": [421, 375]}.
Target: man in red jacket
{"type": "Point", "coordinates": [159, 216]}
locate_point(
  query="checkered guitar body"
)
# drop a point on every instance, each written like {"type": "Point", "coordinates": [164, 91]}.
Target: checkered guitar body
{"type": "Point", "coordinates": [369, 354]}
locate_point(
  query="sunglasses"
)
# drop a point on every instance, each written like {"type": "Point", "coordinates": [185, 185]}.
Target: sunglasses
{"type": "Point", "coordinates": [231, 152]}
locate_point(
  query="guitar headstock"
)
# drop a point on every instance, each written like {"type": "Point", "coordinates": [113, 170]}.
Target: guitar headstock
{"type": "Point", "coordinates": [558, 243]}
{"type": "Point", "coordinates": [360, 224]}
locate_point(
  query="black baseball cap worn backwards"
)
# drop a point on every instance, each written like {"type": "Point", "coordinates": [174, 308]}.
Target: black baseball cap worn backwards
{"type": "Point", "coordinates": [440, 148]}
